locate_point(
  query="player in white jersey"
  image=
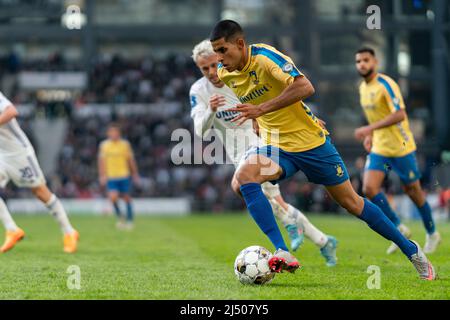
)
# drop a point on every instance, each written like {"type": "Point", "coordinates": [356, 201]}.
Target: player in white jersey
{"type": "Point", "coordinates": [210, 98]}
{"type": "Point", "coordinates": [18, 163]}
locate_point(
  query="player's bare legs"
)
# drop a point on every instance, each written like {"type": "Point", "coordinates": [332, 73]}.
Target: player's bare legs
{"type": "Point", "coordinates": [346, 197]}
{"type": "Point", "coordinates": [417, 195]}
{"type": "Point", "coordinates": [373, 179]}
{"type": "Point", "coordinates": [247, 182]}
{"type": "Point", "coordinates": [55, 207]}
{"type": "Point", "coordinates": [114, 197]}
{"type": "Point", "coordinates": [129, 219]}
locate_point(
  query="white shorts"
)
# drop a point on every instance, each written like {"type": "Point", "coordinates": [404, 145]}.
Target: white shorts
{"type": "Point", "coordinates": [23, 169]}
{"type": "Point", "coordinates": [269, 189]}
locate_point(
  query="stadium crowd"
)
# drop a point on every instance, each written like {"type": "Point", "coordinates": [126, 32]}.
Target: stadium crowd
{"type": "Point", "coordinates": [150, 81]}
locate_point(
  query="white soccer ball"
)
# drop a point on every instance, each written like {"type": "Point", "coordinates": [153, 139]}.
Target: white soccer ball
{"type": "Point", "coordinates": [252, 266]}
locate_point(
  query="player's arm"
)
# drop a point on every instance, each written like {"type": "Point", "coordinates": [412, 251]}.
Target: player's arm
{"type": "Point", "coordinates": [300, 89]}
{"type": "Point", "coordinates": [282, 70]}
{"type": "Point", "coordinates": [133, 165]}
{"type": "Point", "coordinates": [203, 112]}
{"type": "Point", "coordinates": [393, 98]}
{"type": "Point", "coordinates": [101, 167]}
{"type": "Point", "coordinates": [9, 113]}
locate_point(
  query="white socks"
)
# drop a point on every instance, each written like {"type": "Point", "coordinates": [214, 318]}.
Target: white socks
{"type": "Point", "coordinates": [6, 218]}
{"type": "Point", "coordinates": [281, 214]}
{"type": "Point", "coordinates": [57, 210]}
{"type": "Point", "coordinates": [314, 234]}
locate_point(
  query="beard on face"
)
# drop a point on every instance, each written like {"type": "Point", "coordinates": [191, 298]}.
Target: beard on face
{"type": "Point", "coordinates": [214, 80]}
{"type": "Point", "coordinates": [367, 74]}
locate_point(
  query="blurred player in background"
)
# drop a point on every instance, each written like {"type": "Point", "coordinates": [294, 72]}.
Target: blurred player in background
{"type": "Point", "coordinates": [116, 167]}
{"type": "Point", "coordinates": [210, 98]}
{"type": "Point", "coordinates": [18, 163]}
{"type": "Point", "coordinates": [271, 90]}
{"type": "Point", "coordinates": [390, 144]}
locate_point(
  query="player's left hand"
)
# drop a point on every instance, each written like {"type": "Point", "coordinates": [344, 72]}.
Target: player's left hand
{"type": "Point", "coordinates": [322, 124]}
{"type": "Point", "coordinates": [247, 111]}
{"type": "Point", "coordinates": [363, 132]}
{"type": "Point", "coordinates": [255, 127]}
{"type": "Point", "coordinates": [136, 179]}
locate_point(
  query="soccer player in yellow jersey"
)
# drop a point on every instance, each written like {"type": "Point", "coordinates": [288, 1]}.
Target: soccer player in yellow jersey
{"type": "Point", "coordinates": [116, 164]}
{"type": "Point", "coordinates": [271, 90]}
{"type": "Point", "coordinates": [390, 144]}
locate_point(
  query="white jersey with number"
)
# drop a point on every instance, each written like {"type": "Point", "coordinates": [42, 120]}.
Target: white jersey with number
{"type": "Point", "coordinates": [236, 139]}
{"type": "Point", "coordinates": [18, 160]}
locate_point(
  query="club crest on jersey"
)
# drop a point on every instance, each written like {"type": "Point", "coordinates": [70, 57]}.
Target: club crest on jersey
{"type": "Point", "coordinates": [287, 67]}
{"type": "Point", "coordinates": [233, 84]}
{"type": "Point", "coordinates": [254, 76]}
{"type": "Point", "coordinates": [339, 170]}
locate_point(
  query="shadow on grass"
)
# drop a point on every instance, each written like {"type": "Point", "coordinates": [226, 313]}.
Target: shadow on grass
{"type": "Point", "coordinates": [295, 285]}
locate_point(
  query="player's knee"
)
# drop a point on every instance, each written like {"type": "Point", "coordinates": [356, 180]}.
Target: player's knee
{"type": "Point", "coordinates": [41, 192]}
{"type": "Point", "coordinates": [114, 197]}
{"type": "Point", "coordinates": [236, 186]}
{"type": "Point", "coordinates": [353, 205]}
{"type": "Point", "coordinates": [370, 191]}
{"type": "Point", "coordinates": [413, 191]}
{"type": "Point", "coordinates": [245, 175]}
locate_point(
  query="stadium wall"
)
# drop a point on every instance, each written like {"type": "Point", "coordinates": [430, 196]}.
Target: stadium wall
{"type": "Point", "coordinates": [142, 206]}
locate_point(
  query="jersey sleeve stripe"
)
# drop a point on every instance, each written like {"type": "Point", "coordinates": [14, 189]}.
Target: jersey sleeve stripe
{"type": "Point", "coordinates": [276, 58]}
{"type": "Point", "coordinates": [388, 87]}
{"type": "Point", "coordinates": [193, 101]}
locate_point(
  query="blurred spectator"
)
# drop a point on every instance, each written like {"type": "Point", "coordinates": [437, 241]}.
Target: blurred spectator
{"type": "Point", "coordinates": [444, 201]}
{"type": "Point", "coordinates": [151, 82]}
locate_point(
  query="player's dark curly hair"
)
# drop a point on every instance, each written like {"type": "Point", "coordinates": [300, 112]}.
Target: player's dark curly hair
{"type": "Point", "coordinates": [366, 49]}
{"type": "Point", "coordinates": [226, 29]}
{"type": "Point", "coordinates": [114, 125]}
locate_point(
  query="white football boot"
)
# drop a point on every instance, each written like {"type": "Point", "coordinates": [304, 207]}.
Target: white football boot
{"type": "Point", "coordinates": [431, 243]}
{"type": "Point", "coordinates": [423, 265]}
{"type": "Point", "coordinates": [404, 230]}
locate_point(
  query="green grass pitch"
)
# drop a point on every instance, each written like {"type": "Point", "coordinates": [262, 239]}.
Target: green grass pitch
{"type": "Point", "coordinates": [192, 258]}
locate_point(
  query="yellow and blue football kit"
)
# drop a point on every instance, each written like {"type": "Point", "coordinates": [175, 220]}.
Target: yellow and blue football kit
{"type": "Point", "coordinates": [293, 136]}
{"type": "Point", "coordinates": [116, 155]}
{"type": "Point", "coordinates": [393, 147]}
{"type": "Point", "coordinates": [302, 145]}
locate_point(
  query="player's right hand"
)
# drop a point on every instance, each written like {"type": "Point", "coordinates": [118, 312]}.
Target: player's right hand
{"type": "Point", "coordinates": [103, 181]}
{"type": "Point", "coordinates": [136, 179]}
{"type": "Point", "coordinates": [368, 143]}
{"type": "Point", "coordinates": [216, 101]}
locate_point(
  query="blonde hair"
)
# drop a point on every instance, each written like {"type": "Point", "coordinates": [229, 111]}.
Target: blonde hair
{"type": "Point", "coordinates": [202, 49]}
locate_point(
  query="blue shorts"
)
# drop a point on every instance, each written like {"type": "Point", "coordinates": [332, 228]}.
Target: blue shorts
{"type": "Point", "coordinates": [120, 185]}
{"type": "Point", "coordinates": [406, 166]}
{"type": "Point", "coordinates": [321, 165]}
